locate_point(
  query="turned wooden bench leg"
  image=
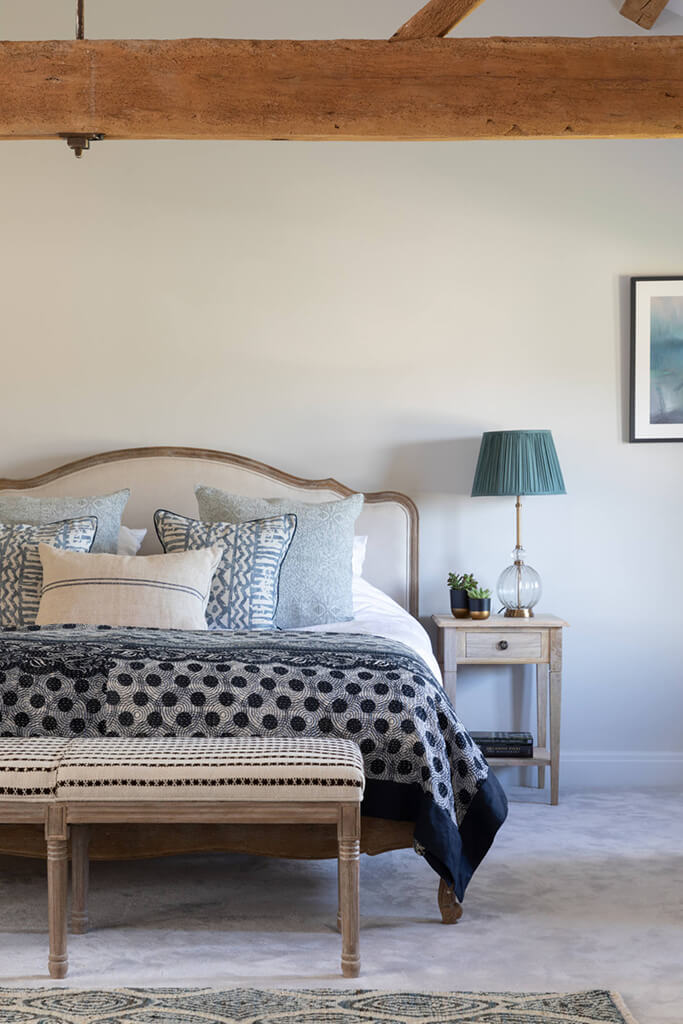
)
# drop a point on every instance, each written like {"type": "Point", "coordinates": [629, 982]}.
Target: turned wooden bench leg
{"type": "Point", "coordinates": [339, 916]}
{"type": "Point", "coordinates": [80, 878]}
{"type": "Point", "coordinates": [56, 834]}
{"type": "Point", "coordinates": [449, 905]}
{"type": "Point", "coordinates": [348, 835]}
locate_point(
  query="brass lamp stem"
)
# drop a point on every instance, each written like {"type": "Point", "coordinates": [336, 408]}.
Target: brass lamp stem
{"type": "Point", "coordinates": [518, 508]}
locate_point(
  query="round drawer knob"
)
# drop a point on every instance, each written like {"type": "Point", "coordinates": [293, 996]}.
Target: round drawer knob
{"type": "Point", "coordinates": [502, 645]}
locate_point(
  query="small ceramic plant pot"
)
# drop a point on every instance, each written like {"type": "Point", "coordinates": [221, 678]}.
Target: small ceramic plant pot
{"type": "Point", "coordinates": [460, 604]}
{"type": "Point", "coordinates": [480, 607]}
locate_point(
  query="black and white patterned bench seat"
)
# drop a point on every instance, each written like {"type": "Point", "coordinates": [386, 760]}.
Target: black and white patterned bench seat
{"type": "Point", "coordinates": [28, 768]}
{"type": "Point", "coordinates": [208, 769]}
{"type": "Point", "coordinates": [72, 784]}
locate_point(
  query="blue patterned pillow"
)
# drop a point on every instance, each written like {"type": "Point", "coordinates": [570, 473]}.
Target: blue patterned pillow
{"type": "Point", "coordinates": [244, 593]}
{"type": "Point", "coordinates": [107, 509]}
{"type": "Point", "coordinates": [21, 571]}
{"type": "Point", "coordinates": [315, 587]}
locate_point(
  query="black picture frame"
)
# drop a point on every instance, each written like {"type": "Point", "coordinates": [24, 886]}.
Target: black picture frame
{"type": "Point", "coordinates": [643, 429]}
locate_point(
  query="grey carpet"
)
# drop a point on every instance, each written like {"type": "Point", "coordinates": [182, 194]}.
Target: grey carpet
{"type": "Point", "coordinates": [312, 1006]}
{"type": "Point", "coordinates": [587, 895]}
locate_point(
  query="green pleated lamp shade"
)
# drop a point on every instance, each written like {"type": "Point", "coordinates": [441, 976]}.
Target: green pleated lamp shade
{"type": "Point", "coordinates": [517, 462]}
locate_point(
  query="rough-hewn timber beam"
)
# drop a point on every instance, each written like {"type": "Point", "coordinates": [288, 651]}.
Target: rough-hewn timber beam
{"type": "Point", "coordinates": [344, 89]}
{"type": "Point", "coordinates": [436, 18]}
{"type": "Point", "coordinates": [643, 12]}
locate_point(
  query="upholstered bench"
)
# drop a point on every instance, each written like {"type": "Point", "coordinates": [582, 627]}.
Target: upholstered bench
{"type": "Point", "coordinates": [72, 784]}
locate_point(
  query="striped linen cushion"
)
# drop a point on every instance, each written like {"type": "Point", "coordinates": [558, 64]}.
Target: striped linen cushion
{"type": "Point", "coordinates": [21, 574]}
{"type": "Point", "coordinates": [152, 591]}
{"type": "Point", "coordinates": [245, 589]}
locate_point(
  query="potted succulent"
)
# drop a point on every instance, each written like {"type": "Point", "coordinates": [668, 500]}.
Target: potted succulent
{"type": "Point", "coordinates": [480, 602]}
{"type": "Point", "coordinates": [459, 586]}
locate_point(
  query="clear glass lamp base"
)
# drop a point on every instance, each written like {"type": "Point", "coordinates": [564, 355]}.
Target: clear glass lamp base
{"type": "Point", "coordinates": [519, 587]}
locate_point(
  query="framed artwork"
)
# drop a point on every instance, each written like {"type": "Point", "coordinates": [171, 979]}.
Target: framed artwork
{"type": "Point", "coordinates": [657, 359]}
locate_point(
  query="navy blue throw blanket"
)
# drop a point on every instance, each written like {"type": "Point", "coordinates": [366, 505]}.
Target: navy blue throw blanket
{"type": "Point", "coordinates": [420, 763]}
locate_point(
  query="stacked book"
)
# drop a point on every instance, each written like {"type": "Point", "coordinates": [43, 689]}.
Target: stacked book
{"type": "Point", "coordinates": [504, 744]}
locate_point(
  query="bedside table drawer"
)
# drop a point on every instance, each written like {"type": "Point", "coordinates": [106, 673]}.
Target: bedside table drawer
{"type": "Point", "coordinates": [505, 645]}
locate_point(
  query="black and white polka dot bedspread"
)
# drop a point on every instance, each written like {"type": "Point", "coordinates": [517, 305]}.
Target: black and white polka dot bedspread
{"type": "Point", "coordinates": [420, 763]}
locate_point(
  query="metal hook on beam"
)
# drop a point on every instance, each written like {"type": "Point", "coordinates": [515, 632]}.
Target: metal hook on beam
{"type": "Point", "coordinates": [80, 19]}
{"type": "Point", "coordinates": [78, 142]}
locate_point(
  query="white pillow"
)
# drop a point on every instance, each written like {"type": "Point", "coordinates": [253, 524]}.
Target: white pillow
{"type": "Point", "coordinates": [149, 591]}
{"type": "Point", "coordinates": [129, 541]}
{"type": "Point", "coordinates": [359, 548]}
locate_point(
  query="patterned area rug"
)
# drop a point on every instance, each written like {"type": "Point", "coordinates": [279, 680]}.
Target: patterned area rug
{"type": "Point", "coordinates": [320, 1006]}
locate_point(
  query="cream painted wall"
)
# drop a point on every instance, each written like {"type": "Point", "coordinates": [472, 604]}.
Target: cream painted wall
{"type": "Point", "coordinates": [367, 311]}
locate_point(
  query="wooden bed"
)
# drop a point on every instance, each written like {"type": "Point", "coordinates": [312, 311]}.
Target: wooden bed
{"type": "Point", "coordinates": [166, 477]}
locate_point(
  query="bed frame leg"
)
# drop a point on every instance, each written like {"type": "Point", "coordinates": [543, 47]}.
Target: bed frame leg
{"type": "Point", "coordinates": [80, 878]}
{"type": "Point", "coordinates": [449, 905]}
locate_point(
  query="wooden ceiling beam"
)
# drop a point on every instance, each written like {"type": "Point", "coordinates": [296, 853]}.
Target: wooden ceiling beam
{"type": "Point", "coordinates": [643, 12]}
{"type": "Point", "coordinates": [345, 89]}
{"type": "Point", "coordinates": [436, 18]}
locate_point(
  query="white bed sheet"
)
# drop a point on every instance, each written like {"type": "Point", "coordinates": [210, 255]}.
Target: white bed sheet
{"type": "Point", "coordinates": [376, 613]}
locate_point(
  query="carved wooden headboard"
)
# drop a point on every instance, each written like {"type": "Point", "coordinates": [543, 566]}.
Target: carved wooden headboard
{"type": "Point", "coordinates": [166, 478]}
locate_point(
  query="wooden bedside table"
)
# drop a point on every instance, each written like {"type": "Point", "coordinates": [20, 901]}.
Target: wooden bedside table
{"type": "Point", "coordinates": [500, 641]}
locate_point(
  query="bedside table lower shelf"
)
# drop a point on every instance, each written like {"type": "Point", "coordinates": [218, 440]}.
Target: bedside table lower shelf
{"type": "Point", "coordinates": [541, 757]}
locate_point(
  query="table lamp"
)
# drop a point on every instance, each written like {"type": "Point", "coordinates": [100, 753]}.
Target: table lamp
{"type": "Point", "coordinates": [517, 462]}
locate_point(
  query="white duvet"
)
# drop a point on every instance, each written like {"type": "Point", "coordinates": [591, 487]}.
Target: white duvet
{"type": "Point", "coordinates": [376, 613]}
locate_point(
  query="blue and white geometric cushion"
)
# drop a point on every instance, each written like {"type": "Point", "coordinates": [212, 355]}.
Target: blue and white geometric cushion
{"type": "Point", "coordinates": [21, 571]}
{"type": "Point", "coordinates": [244, 593]}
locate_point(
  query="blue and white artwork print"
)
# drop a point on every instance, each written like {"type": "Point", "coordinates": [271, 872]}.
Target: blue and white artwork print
{"type": "Point", "coordinates": [657, 359]}
{"type": "Point", "coordinates": [666, 359]}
